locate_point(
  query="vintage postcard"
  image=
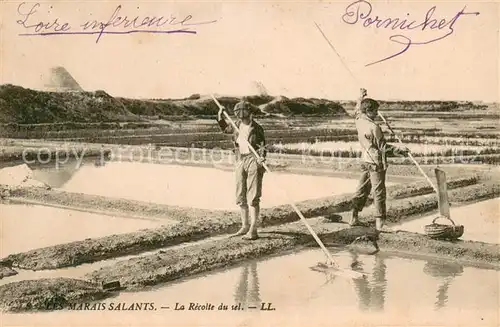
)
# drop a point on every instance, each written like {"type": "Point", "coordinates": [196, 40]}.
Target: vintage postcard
{"type": "Point", "coordinates": [249, 163]}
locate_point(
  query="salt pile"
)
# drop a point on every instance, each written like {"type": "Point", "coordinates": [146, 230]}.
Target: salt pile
{"type": "Point", "coordinates": [20, 175]}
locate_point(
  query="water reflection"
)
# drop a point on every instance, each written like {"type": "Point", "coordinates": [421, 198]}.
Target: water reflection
{"type": "Point", "coordinates": [445, 272]}
{"type": "Point", "coordinates": [371, 295]}
{"type": "Point", "coordinates": [56, 176]}
{"type": "Point", "coordinates": [247, 290]}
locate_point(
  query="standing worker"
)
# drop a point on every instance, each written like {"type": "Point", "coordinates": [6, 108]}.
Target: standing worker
{"type": "Point", "coordinates": [249, 169]}
{"type": "Point", "coordinates": [374, 161]}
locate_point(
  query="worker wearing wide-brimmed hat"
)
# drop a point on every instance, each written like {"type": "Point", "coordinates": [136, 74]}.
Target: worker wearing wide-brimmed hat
{"type": "Point", "coordinates": [249, 168]}
{"type": "Point", "coordinates": [373, 160]}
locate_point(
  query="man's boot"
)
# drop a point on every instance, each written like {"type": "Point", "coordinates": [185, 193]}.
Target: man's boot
{"type": "Point", "coordinates": [254, 218]}
{"type": "Point", "coordinates": [244, 222]}
{"type": "Point", "coordinates": [354, 218]}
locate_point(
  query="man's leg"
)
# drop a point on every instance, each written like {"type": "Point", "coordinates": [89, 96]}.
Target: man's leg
{"type": "Point", "coordinates": [361, 285]}
{"type": "Point", "coordinates": [240, 295]}
{"type": "Point", "coordinates": [380, 285]}
{"type": "Point", "coordinates": [361, 195]}
{"type": "Point", "coordinates": [379, 197]}
{"type": "Point", "coordinates": [254, 189]}
{"type": "Point", "coordinates": [241, 197]}
{"type": "Point", "coordinates": [253, 286]}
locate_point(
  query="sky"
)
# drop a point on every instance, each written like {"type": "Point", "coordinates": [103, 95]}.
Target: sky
{"type": "Point", "coordinates": [273, 43]}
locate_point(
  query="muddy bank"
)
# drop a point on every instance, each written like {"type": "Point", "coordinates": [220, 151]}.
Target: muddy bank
{"type": "Point", "coordinates": [483, 191]}
{"type": "Point", "coordinates": [460, 250]}
{"type": "Point", "coordinates": [91, 250]}
{"type": "Point", "coordinates": [423, 187]}
{"type": "Point", "coordinates": [400, 204]}
{"type": "Point", "coordinates": [112, 206]}
{"type": "Point", "coordinates": [48, 294]}
{"type": "Point", "coordinates": [172, 264]}
{"type": "Point", "coordinates": [401, 241]}
{"type": "Point", "coordinates": [309, 208]}
{"type": "Point", "coordinates": [396, 211]}
{"type": "Point", "coordinates": [472, 252]}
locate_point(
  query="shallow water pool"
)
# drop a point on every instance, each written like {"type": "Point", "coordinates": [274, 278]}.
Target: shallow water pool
{"type": "Point", "coordinates": [397, 291]}
{"type": "Point", "coordinates": [27, 227]}
{"type": "Point", "coordinates": [199, 187]}
{"type": "Point", "coordinates": [396, 287]}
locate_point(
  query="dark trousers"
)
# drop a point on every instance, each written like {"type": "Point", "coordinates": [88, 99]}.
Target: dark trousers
{"type": "Point", "coordinates": [371, 178]}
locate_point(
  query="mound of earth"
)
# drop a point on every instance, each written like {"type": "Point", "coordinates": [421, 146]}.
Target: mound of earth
{"type": "Point", "coordinates": [19, 105]}
{"type": "Point", "coordinates": [25, 106]}
{"type": "Point", "coordinates": [48, 294]}
{"type": "Point", "coordinates": [300, 106]}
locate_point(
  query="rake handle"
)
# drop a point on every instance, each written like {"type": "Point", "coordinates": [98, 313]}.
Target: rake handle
{"type": "Point", "coordinates": [409, 154]}
{"type": "Point", "coordinates": [313, 233]}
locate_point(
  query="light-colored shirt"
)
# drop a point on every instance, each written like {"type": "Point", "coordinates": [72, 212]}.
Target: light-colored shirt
{"type": "Point", "coordinates": [244, 131]}
{"type": "Point", "coordinates": [374, 146]}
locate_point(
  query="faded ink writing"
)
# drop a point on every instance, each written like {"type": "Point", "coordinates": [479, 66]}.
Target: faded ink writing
{"type": "Point", "coordinates": [118, 23]}
{"type": "Point", "coordinates": [361, 12]}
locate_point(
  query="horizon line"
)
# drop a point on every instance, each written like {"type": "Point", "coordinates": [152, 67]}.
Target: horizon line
{"type": "Point", "coordinates": [240, 96]}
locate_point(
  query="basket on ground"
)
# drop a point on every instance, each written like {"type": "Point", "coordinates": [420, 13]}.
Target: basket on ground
{"type": "Point", "coordinates": [444, 232]}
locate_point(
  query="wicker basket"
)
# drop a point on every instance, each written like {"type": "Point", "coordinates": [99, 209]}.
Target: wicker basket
{"type": "Point", "coordinates": [444, 232]}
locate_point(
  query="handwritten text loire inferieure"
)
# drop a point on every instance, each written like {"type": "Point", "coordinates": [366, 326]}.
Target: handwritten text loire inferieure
{"type": "Point", "coordinates": [117, 23]}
